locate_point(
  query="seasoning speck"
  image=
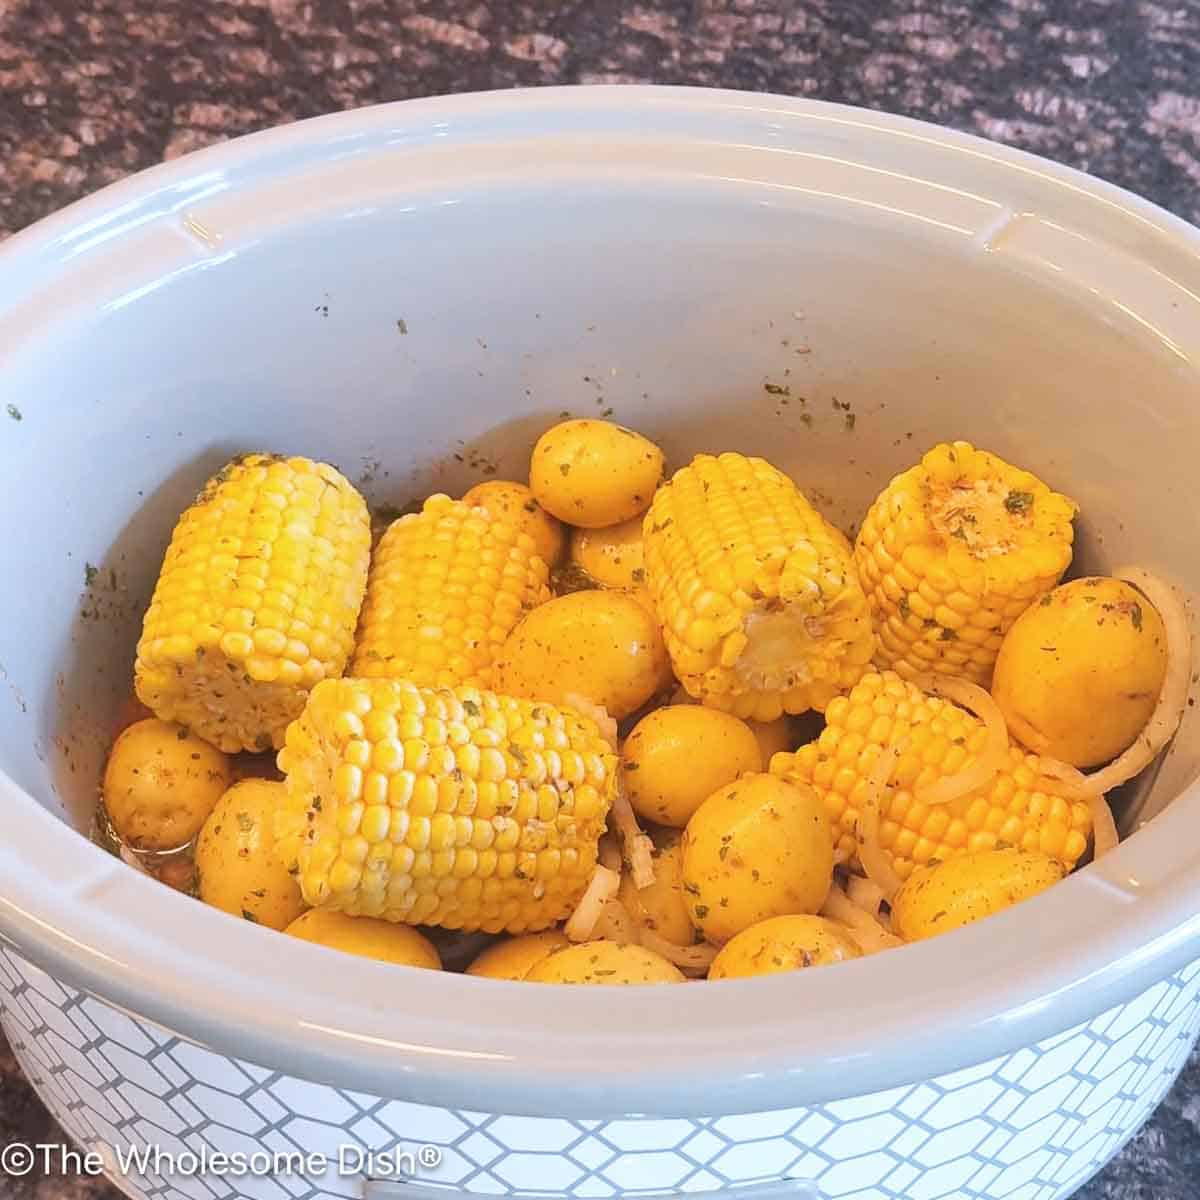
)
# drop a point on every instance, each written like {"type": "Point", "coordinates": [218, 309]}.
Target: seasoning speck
{"type": "Point", "coordinates": [14, 412]}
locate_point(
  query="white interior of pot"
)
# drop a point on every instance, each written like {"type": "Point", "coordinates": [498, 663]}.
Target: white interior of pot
{"type": "Point", "coordinates": [420, 327]}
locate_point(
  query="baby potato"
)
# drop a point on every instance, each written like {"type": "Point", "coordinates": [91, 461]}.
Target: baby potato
{"type": "Point", "coordinates": [676, 757]}
{"type": "Point", "coordinates": [604, 963]}
{"type": "Point", "coordinates": [612, 556]}
{"type": "Point", "coordinates": [515, 957]}
{"type": "Point", "coordinates": [594, 473]}
{"type": "Point", "coordinates": [757, 848]}
{"type": "Point", "coordinates": [601, 645]}
{"type": "Point", "coordinates": [790, 943]}
{"type": "Point", "coordinates": [950, 894]}
{"type": "Point", "coordinates": [160, 784]}
{"type": "Point", "coordinates": [367, 937]}
{"type": "Point", "coordinates": [238, 867]}
{"type": "Point", "coordinates": [514, 503]}
{"type": "Point", "coordinates": [1080, 670]}
{"type": "Point", "coordinates": [662, 906]}
{"type": "Point", "coordinates": [774, 737]}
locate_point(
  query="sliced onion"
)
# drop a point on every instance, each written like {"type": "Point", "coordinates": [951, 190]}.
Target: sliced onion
{"type": "Point", "coordinates": [871, 854]}
{"type": "Point", "coordinates": [639, 849]}
{"type": "Point", "coordinates": [687, 958]}
{"type": "Point", "coordinates": [865, 894]}
{"type": "Point", "coordinates": [609, 853]}
{"type": "Point", "coordinates": [1172, 699]}
{"type": "Point", "coordinates": [600, 889]}
{"type": "Point", "coordinates": [983, 770]}
{"type": "Point", "coordinates": [867, 930]}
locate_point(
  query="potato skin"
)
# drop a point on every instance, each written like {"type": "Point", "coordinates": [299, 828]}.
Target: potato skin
{"type": "Point", "coordinates": [611, 555]}
{"type": "Point", "coordinates": [951, 894]}
{"type": "Point", "coordinates": [792, 943]}
{"type": "Point", "coordinates": [515, 957]}
{"type": "Point", "coordinates": [238, 868]}
{"type": "Point", "coordinates": [1080, 670]}
{"type": "Point", "coordinates": [601, 645]}
{"type": "Point", "coordinates": [368, 937]}
{"type": "Point", "coordinates": [604, 963]}
{"type": "Point", "coordinates": [160, 784]}
{"type": "Point", "coordinates": [515, 503]}
{"type": "Point", "coordinates": [677, 756]}
{"type": "Point", "coordinates": [594, 473]}
{"type": "Point", "coordinates": [663, 905]}
{"type": "Point", "coordinates": [757, 848]}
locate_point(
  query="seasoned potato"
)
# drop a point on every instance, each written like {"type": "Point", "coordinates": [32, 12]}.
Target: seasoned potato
{"type": "Point", "coordinates": [367, 937]}
{"type": "Point", "coordinates": [594, 473]}
{"type": "Point", "coordinates": [238, 867]}
{"type": "Point", "coordinates": [778, 944]}
{"type": "Point", "coordinates": [160, 784]}
{"type": "Point", "coordinates": [774, 737]}
{"type": "Point", "coordinates": [604, 963]}
{"type": "Point", "coordinates": [612, 556]}
{"type": "Point", "coordinates": [1080, 671]}
{"type": "Point", "coordinates": [757, 848]}
{"type": "Point", "coordinates": [662, 906]}
{"type": "Point", "coordinates": [676, 757]}
{"type": "Point", "coordinates": [950, 894]}
{"type": "Point", "coordinates": [515, 957]}
{"type": "Point", "coordinates": [514, 503]}
{"type": "Point", "coordinates": [601, 645]}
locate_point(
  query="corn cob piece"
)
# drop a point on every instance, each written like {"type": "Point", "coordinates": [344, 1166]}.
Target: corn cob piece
{"type": "Point", "coordinates": [952, 552]}
{"type": "Point", "coordinates": [451, 807]}
{"type": "Point", "coordinates": [757, 593]}
{"type": "Point", "coordinates": [256, 602]}
{"type": "Point", "coordinates": [447, 586]}
{"type": "Point", "coordinates": [1018, 807]}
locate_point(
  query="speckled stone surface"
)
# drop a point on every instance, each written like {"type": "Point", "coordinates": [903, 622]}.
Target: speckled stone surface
{"type": "Point", "coordinates": [90, 92]}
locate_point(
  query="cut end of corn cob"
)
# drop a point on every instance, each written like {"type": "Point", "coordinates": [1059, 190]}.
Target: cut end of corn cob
{"type": "Point", "coordinates": [451, 807]}
{"type": "Point", "coordinates": [952, 552]}
{"type": "Point", "coordinates": [1018, 807]}
{"type": "Point", "coordinates": [256, 602]}
{"type": "Point", "coordinates": [758, 595]}
{"type": "Point", "coordinates": [447, 587]}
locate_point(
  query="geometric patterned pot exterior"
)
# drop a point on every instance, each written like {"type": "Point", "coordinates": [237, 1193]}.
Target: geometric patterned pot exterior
{"type": "Point", "coordinates": [1033, 1125]}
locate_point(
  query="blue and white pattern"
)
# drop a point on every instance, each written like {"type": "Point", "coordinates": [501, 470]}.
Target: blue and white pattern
{"type": "Point", "coordinates": [1032, 1125]}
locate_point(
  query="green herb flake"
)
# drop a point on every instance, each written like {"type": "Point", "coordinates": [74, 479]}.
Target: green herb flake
{"type": "Point", "coordinates": [245, 822]}
{"type": "Point", "coordinates": [1018, 502]}
{"type": "Point", "coordinates": [470, 708]}
{"type": "Point", "coordinates": [15, 413]}
{"type": "Point", "coordinates": [1135, 614]}
{"type": "Point", "coordinates": [1046, 601]}
{"type": "Point", "coordinates": [775, 389]}
{"type": "Point", "coordinates": [701, 911]}
{"type": "Point", "coordinates": [850, 422]}
{"type": "Point", "coordinates": [948, 635]}
{"type": "Point", "coordinates": [905, 607]}
{"type": "Point", "coordinates": [247, 915]}
{"type": "Point", "coordinates": [89, 574]}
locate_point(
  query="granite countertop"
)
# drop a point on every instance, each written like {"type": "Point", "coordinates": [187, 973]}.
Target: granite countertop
{"type": "Point", "coordinates": [91, 92]}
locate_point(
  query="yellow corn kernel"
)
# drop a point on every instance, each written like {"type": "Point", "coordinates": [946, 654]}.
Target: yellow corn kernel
{"type": "Point", "coordinates": [257, 600]}
{"type": "Point", "coordinates": [501, 840]}
{"type": "Point", "coordinates": [952, 552]}
{"type": "Point", "coordinates": [1018, 807]}
{"type": "Point", "coordinates": [757, 593]}
{"type": "Point", "coordinates": [447, 586]}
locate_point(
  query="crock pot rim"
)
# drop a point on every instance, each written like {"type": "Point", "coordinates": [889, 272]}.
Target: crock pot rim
{"type": "Point", "coordinates": [462, 1048]}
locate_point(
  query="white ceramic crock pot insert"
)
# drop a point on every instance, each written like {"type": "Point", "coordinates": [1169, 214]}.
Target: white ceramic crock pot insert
{"type": "Point", "coordinates": [414, 292]}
